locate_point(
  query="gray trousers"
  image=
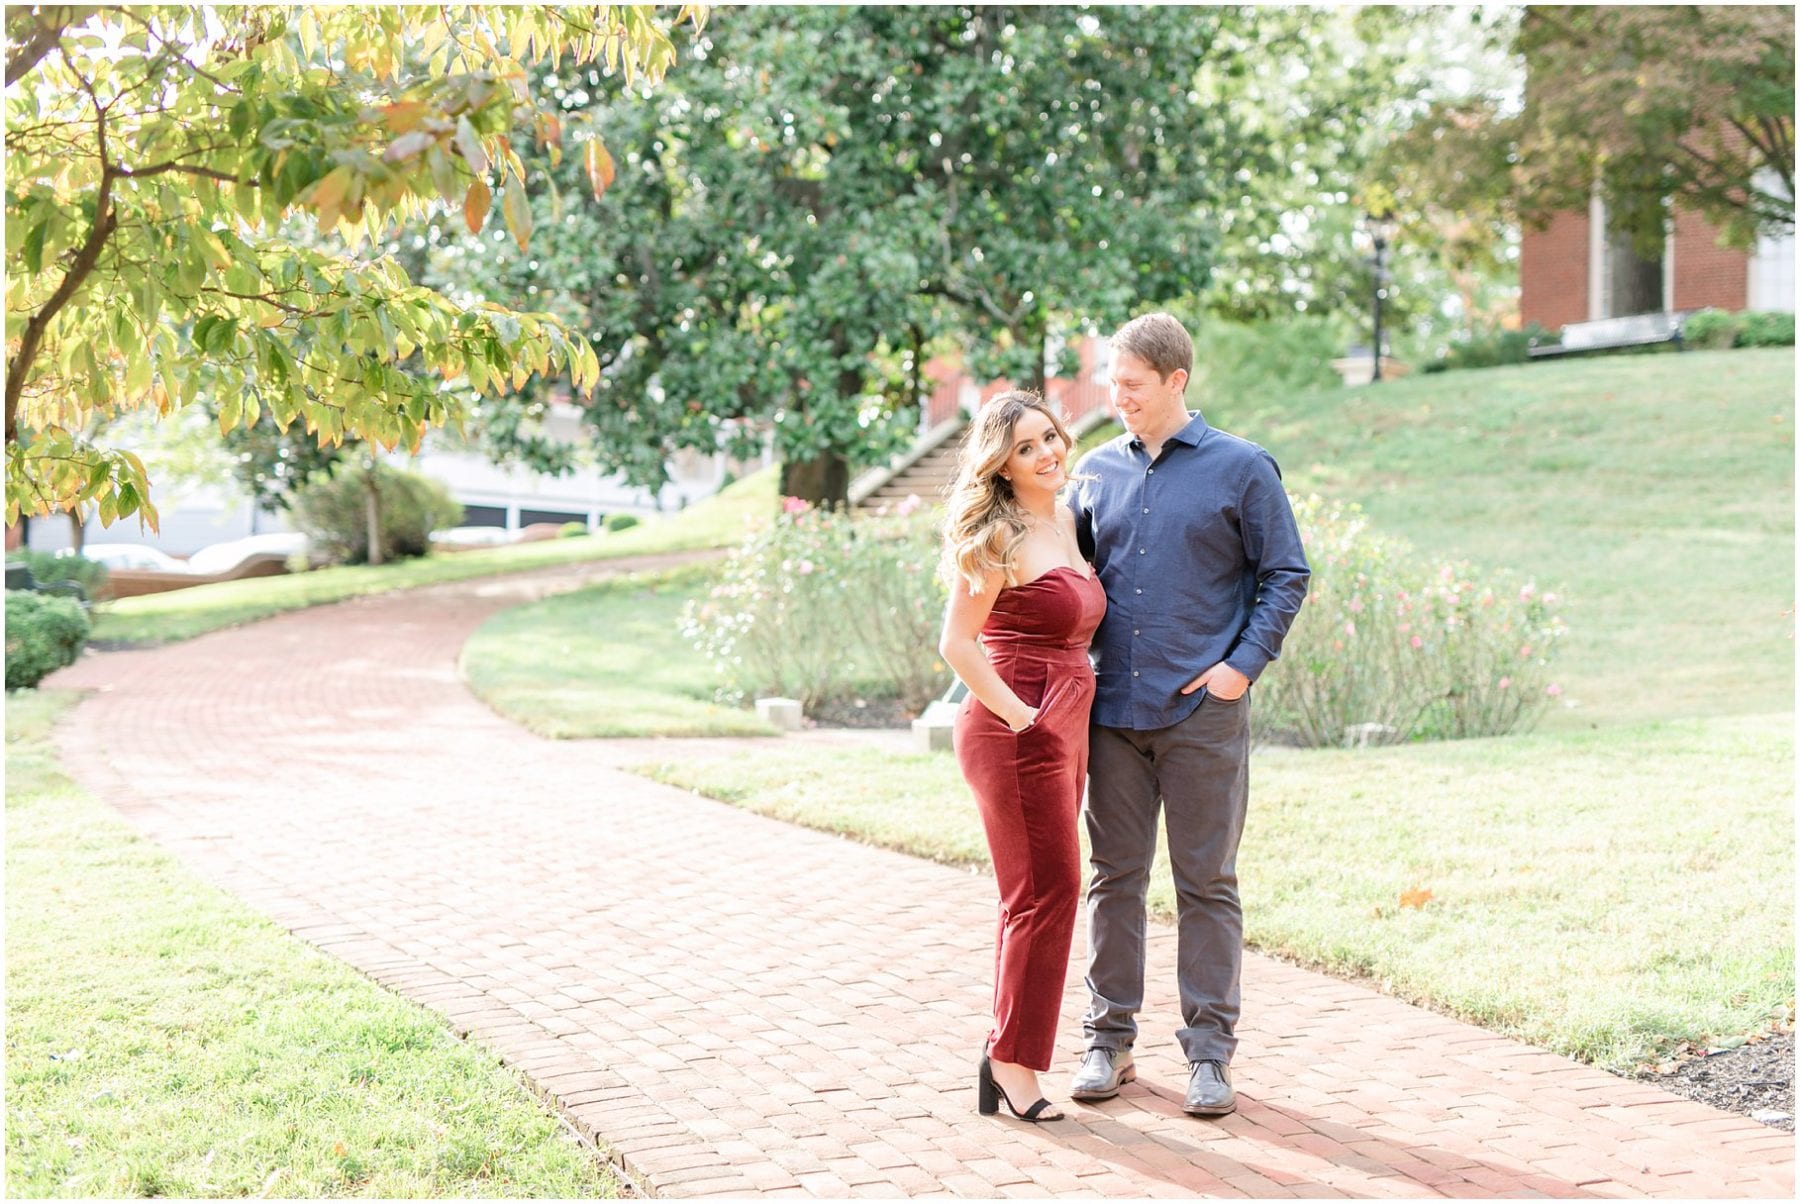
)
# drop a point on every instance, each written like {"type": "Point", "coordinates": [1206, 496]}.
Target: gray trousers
{"type": "Point", "coordinates": [1197, 772]}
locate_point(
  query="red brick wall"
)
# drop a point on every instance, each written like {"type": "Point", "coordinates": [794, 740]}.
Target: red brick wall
{"type": "Point", "coordinates": [1553, 272]}
{"type": "Point", "coordinates": [1707, 274]}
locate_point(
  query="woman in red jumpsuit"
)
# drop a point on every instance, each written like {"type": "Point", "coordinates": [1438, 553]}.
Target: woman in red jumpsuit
{"type": "Point", "coordinates": [1023, 608]}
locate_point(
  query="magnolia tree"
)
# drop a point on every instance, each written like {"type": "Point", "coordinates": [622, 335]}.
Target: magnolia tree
{"type": "Point", "coordinates": [196, 200]}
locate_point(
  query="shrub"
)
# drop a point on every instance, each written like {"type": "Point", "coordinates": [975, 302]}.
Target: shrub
{"type": "Point", "coordinates": [820, 606]}
{"type": "Point", "coordinates": [619, 522]}
{"type": "Point", "coordinates": [1492, 348]}
{"type": "Point", "coordinates": [331, 510]}
{"type": "Point", "coordinates": [43, 633]}
{"type": "Point", "coordinates": [572, 530]}
{"type": "Point", "coordinates": [1403, 652]}
{"type": "Point", "coordinates": [1766, 330]}
{"type": "Point", "coordinates": [1710, 329]}
{"type": "Point", "coordinates": [1714, 329]}
{"type": "Point", "coordinates": [48, 567]}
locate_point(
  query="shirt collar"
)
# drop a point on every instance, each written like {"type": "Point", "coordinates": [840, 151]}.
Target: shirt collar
{"type": "Point", "coordinates": [1191, 434]}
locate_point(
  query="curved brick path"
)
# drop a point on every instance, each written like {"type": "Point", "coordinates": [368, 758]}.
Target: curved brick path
{"type": "Point", "coordinates": [735, 1005]}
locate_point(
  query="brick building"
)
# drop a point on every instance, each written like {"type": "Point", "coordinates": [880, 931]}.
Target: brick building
{"type": "Point", "coordinates": [1574, 271]}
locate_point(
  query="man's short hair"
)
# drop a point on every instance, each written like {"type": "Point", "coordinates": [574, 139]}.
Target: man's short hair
{"type": "Point", "coordinates": [1160, 340]}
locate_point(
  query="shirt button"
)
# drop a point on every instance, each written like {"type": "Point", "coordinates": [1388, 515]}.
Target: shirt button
{"type": "Point", "coordinates": [1135, 631]}
{"type": "Point", "coordinates": [1151, 471]}
{"type": "Point", "coordinates": [1134, 672]}
{"type": "Point", "coordinates": [1137, 591]}
{"type": "Point", "coordinates": [1140, 551]}
{"type": "Point", "coordinates": [1146, 509]}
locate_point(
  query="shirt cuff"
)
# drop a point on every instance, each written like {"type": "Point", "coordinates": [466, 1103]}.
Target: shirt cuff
{"type": "Point", "coordinates": [1249, 660]}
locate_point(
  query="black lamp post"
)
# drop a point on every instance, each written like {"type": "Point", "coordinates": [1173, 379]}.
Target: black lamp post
{"type": "Point", "coordinates": [1381, 229]}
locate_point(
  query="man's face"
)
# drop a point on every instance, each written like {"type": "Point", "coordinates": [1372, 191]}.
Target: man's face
{"type": "Point", "coordinates": [1144, 401]}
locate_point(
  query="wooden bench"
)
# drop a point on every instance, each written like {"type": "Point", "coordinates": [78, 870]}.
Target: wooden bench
{"type": "Point", "coordinates": [1610, 334]}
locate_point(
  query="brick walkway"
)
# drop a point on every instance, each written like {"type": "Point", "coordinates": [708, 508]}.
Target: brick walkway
{"type": "Point", "coordinates": [737, 1006]}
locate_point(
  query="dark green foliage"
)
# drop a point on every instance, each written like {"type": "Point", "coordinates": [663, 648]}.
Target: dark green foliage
{"type": "Point", "coordinates": [822, 199]}
{"type": "Point", "coordinates": [43, 633]}
{"type": "Point", "coordinates": [1492, 348]}
{"type": "Point", "coordinates": [48, 567]}
{"type": "Point", "coordinates": [1716, 329]}
{"type": "Point", "coordinates": [1710, 329]}
{"type": "Point", "coordinates": [1766, 330]}
{"type": "Point", "coordinates": [571, 530]}
{"type": "Point", "coordinates": [333, 511]}
{"type": "Point", "coordinates": [619, 522]}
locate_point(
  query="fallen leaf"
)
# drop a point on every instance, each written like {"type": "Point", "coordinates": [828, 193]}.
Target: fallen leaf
{"type": "Point", "coordinates": [1418, 897]}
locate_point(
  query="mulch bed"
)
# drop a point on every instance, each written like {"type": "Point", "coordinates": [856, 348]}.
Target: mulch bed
{"type": "Point", "coordinates": [1754, 1080]}
{"type": "Point", "coordinates": [859, 712]}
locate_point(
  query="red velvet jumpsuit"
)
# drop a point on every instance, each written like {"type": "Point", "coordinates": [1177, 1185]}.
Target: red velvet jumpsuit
{"type": "Point", "coordinates": [1028, 788]}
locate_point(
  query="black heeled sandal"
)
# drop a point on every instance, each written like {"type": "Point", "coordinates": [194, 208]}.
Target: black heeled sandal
{"type": "Point", "coordinates": [990, 1094]}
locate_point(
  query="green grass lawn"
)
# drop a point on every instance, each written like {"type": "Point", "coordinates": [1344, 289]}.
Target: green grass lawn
{"type": "Point", "coordinates": [163, 1040]}
{"type": "Point", "coordinates": [182, 614]}
{"type": "Point", "coordinates": [605, 661]}
{"type": "Point", "coordinates": [1607, 895]}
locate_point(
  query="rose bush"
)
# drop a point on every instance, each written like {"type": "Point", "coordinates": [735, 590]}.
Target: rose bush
{"type": "Point", "coordinates": [1388, 649]}
{"type": "Point", "coordinates": [819, 606]}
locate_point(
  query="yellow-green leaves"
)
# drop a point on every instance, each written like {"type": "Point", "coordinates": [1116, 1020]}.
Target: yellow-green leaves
{"type": "Point", "coordinates": [155, 268]}
{"type": "Point", "coordinates": [518, 211]}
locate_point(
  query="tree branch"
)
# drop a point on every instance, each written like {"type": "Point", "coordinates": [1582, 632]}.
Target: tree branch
{"type": "Point", "coordinates": [31, 341]}
{"type": "Point", "coordinates": [189, 169]}
{"type": "Point", "coordinates": [50, 24]}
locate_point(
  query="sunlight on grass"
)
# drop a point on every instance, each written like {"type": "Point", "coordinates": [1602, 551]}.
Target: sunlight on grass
{"type": "Point", "coordinates": [605, 661]}
{"type": "Point", "coordinates": [164, 1040]}
{"type": "Point", "coordinates": [1605, 895]}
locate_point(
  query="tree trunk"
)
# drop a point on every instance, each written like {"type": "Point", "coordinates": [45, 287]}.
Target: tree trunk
{"type": "Point", "coordinates": [77, 529]}
{"type": "Point", "coordinates": [372, 512]}
{"type": "Point", "coordinates": [823, 480]}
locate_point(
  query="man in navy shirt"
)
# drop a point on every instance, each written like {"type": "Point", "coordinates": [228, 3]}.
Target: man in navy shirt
{"type": "Point", "coordinates": [1194, 540]}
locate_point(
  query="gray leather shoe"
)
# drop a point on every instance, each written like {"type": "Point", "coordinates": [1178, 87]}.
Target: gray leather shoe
{"type": "Point", "coordinates": [1102, 1073]}
{"type": "Point", "coordinates": [1209, 1090]}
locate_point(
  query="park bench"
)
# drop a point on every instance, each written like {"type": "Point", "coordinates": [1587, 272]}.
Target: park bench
{"type": "Point", "coordinates": [19, 576]}
{"type": "Point", "coordinates": [1611, 334]}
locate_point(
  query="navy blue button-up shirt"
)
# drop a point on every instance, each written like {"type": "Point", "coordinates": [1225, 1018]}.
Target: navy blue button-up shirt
{"type": "Point", "coordinates": [1202, 563]}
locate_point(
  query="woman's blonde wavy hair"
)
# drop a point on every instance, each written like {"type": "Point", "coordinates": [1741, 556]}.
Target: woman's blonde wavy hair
{"type": "Point", "coordinates": [983, 521]}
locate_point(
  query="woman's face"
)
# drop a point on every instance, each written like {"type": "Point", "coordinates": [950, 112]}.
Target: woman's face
{"type": "Point", "coordinates": [1038, 461]}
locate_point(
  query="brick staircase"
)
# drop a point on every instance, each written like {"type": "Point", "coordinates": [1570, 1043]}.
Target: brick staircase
{"type": "Point", "coordinates": [926, 472]}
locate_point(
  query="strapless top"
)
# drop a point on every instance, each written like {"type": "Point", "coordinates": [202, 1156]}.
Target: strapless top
{"type": "Point", "coordinates": [1058, 610]}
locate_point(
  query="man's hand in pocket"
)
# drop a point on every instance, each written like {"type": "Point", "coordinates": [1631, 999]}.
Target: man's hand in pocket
{"type": "Point", "coordinates": [1221, 682]}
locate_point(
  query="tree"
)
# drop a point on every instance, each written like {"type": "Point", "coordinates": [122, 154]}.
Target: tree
{"type": "Point", "coordinates": [824, 195]}
{"type": "Point", "coordinates": [1691, 105]}
{"type": "Point", "coordinates": [157, 158]}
